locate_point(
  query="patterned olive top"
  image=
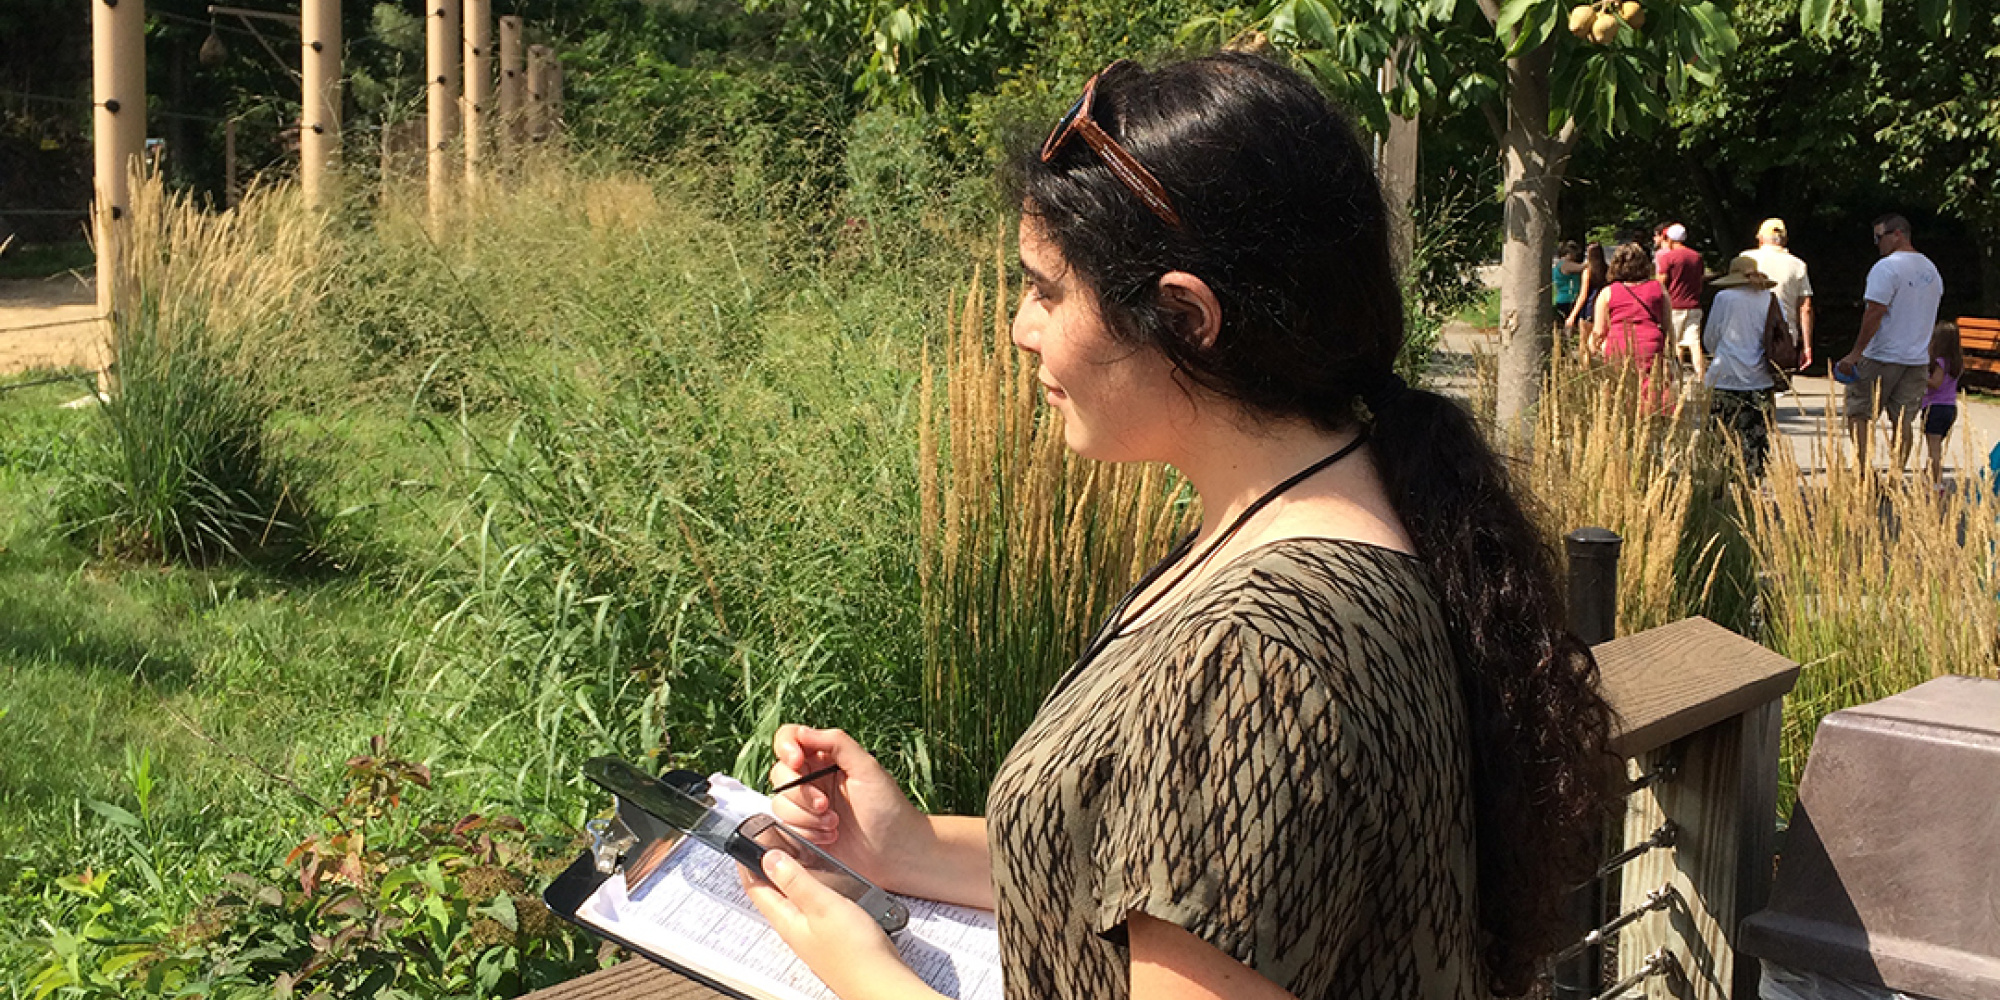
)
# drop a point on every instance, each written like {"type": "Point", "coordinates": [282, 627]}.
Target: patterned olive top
{"type": "Point", "coordinates": [1278, 765]}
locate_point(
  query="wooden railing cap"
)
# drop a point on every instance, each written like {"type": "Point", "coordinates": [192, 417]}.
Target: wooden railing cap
{"type": "Point", "coordinates": [1678, 679]}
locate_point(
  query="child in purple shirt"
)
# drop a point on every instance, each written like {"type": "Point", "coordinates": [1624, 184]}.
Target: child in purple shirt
{"type": "Point", "coordinates": [1940, 404]}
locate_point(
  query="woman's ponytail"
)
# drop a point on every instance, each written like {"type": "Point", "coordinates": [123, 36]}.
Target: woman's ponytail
{"type": "Point", "coordinates": [1540, 727]}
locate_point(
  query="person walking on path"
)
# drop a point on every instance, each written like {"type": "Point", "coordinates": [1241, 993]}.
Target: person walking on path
{"type": "Point", "coordinates": [1889, 366]}
{"type": "Point", "coordinates": [1631, 316]}
{"type": "Point", "coordinates": [1793, 285]}
{"type": "Point", "coordinates": [1941, 402]}
{"type": "Point", "coordinates": [1680, 272]}
{"type": "Point", "coordinates": [1594, 270]}
{"type": "Point", "coordinates": [1566, 279]}
{"type": "Point", "coordinates": [1741, 320]}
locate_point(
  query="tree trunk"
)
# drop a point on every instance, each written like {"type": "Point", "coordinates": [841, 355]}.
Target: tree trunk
{"type": "Point", "coordinates": [1532, 161]}
{"type": "Point", "coordinates": [1399, 188]}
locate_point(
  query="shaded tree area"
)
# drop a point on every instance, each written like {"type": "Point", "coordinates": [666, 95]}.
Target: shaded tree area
{"type": "Point", "coordinates": [1827, 133]}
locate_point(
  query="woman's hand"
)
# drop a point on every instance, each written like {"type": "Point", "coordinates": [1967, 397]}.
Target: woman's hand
{"type": "Point", "coordinates": [836, 939]}
{"type": "Point", "coordinates": [857, 814]}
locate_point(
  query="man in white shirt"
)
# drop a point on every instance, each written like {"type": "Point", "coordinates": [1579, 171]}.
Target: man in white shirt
{"type": "Point", "coordinates": [1891, 358]}
{"type": "Point", "coordinates": [1794, 287]}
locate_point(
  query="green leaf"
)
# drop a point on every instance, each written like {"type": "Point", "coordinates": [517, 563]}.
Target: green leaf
{"type": "Point", "coordinates": [1531, 21]}
{"type": "Point", "coordinates": [1284, 20]}
{"type": "Point", "coordinates": [52, 978]}
{"type": "Point", "coordinates": [502, 912]}
{"type": "Point", "coordinates": [1512, 13]}
{"type": "Point", "coordinates": [1869, 13]}
{"type": "Point", "coordinates": [1816, 16]}
{"type": "Point", "coordinates": [116, 814]}
{"type": "Point", "coordinates": [1315, 22]}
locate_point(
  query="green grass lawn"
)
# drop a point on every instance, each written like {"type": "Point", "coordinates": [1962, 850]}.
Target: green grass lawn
{"type": "Point", "coordinates": [230, 681]}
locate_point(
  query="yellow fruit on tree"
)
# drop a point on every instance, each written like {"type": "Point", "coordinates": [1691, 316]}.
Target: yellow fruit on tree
{"type": "Point", "coordinates": [1580, 17]}
{"type": "Point", "coordinates": [1633, 14]}
{"type": "Point", "coordinates": [1604, 28]}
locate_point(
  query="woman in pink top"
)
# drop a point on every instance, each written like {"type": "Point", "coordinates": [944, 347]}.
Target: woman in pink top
{"type": "Point", "coordinates": [1631, 320]}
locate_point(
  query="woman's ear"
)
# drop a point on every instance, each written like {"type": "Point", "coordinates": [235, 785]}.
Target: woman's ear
{"type": "Point", "coordinates": [1197, 314]}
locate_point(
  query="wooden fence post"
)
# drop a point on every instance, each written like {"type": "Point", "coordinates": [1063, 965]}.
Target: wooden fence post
{"type": "Point", "coordinates": [319, 117]}
{"type": "Point", "coordinates": [513, 87]}
{"type": "Point", "coordinates": [442, 40]}
{"type": "Point", "coordinates": [1699, 712]}
{"type": "Point", "coordinates": [478, 88]}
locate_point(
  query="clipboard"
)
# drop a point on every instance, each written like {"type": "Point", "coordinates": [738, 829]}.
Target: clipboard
{"type": "Point", "coordinates": [582, 879]}
{"type": "Point", "coordinates": [687, 913]}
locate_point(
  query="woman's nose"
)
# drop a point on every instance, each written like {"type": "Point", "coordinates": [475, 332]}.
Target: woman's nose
{"type": "Point", "coordinates": [1024, 334]}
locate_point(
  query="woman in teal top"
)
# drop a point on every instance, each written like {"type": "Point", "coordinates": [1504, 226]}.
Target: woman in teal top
{"type": "Point", "coordinates": [1566, 278]}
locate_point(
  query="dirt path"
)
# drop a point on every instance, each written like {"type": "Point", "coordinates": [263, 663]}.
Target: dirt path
{"type": "Point", "coordinates": [48, 323]}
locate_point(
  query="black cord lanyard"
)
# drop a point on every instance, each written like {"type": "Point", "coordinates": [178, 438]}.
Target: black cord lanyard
{"type": "Point", "coordinates": [1119, 620]}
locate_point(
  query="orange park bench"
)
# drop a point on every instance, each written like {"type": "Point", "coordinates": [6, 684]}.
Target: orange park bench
{"type": "Point", "coordinates": [1981, 339]}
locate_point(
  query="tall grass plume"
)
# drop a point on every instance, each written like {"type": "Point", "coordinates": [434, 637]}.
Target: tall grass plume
{"type": "Point", "coordinates": [1024, 547]}
{"type": "Point", "coordinates": [190, 469]}
{"type": "Point", "coordinates": [1875, 583]}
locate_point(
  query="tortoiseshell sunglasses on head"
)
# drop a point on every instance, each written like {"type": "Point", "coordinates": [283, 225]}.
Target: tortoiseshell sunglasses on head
{"type": "Point", "coordinates": [1123, 166]}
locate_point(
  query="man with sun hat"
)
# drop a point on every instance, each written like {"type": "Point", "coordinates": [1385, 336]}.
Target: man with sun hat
{"type": "Point", "coordinates": [1741, 319]}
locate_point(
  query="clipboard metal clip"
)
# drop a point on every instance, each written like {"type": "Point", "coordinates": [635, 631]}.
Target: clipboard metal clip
{"type": "Point", "coordinates": [632, 839]}
{"type": "Point", "coordinates": [609, 840]}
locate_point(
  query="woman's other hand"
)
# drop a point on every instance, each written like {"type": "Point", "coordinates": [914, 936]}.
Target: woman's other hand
{"type": "Point", "coordinates": [839, 941]}
{"type": "Point", "coordinates": [857, 814]}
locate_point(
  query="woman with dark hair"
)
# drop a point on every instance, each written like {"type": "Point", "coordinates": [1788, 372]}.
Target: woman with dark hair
{"type": "Point", "coordinates": [1631, 320]}
{"type": "Point", "coordinates": [1337, 743]}
{"type": "Point", "coordinates": [1595, 270]}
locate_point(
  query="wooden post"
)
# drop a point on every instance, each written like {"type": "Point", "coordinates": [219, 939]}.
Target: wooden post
{"type": "Point", "coordinates": [442, 38]}
{"type": "Point", "coordinates": [552, 97]}
{"type": "Point", "coordinates": [478, 86]}
{"type": "Point", "coordinates": [230, 192]}
{"type": "Point", "coordinates": [319, 119]}
{"type": "Point", "coordinates": [539, 60]}
{"type": "Point", "coordinates": [1703, 705]}
{"type": "Point", "coordinates": [118, 84]}
{"type": "Point", "coordinates": [513, 86]}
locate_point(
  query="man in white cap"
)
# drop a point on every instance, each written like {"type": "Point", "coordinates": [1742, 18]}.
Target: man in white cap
{"type": "Point", "coordinates": [1679, 269]}
{"type": "Point", "coordinates": [1889, 367]}
{"type": "Point", "coordinates": [1794, 287]}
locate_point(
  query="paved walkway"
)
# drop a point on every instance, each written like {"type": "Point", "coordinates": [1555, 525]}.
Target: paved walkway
{"type": "Point", "coordinates": [1802, 414]}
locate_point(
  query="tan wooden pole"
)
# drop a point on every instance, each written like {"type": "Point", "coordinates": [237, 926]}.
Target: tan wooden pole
{"type": "Point", "coordinates": [118, 83]}
{"type": "Point", "coordinates": [478, 85]}
{"type": "Point", "coordinates": [539, 59]}
{"type": "Point", "coordinates": [319, 121]}
{"type": "Point", "coordinates": [513, 86]}
{"type": "Point", "coordinates": [552, 96]}
{"type": "Point", "coordinates": [442, 36]}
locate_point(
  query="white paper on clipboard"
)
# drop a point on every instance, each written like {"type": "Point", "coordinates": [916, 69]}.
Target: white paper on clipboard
{"type": "Point", "coordinates": [693, 912]}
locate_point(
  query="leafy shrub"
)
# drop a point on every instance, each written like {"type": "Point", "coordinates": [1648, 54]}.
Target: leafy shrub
{"type": "Point", "coordinates": [381, 900]}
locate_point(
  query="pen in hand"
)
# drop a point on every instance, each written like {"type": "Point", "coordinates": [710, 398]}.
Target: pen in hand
{"type": "Point", "coordinates": [805, 778]}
